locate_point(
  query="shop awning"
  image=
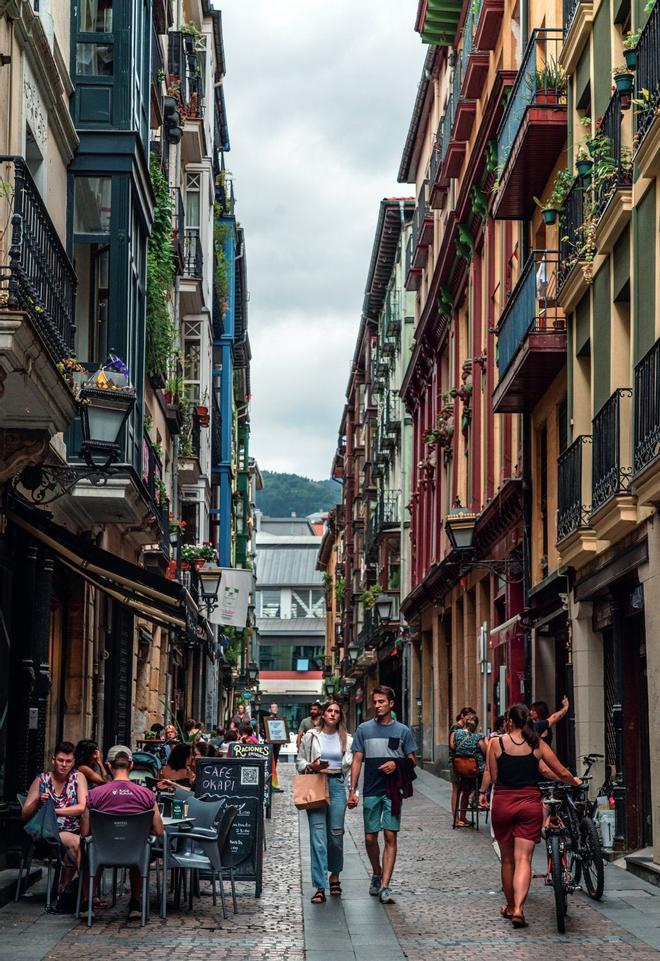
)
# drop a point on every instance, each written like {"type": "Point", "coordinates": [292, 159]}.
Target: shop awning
{"type": "Point", "coordinates": [506, 631]}
{"type": "Point", "coordinates": [163, 602]}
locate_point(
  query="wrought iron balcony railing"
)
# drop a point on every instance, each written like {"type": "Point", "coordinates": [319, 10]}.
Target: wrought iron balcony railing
{"type": "Point", "coordinates": [570, 230]}
{"type": "Point", "coordinates": [574, 487]}
{"type": "Point", "coordinates": [36, 275]}
{"type": "Point", "coordinates": [152, 477]}
{"type": "Point", "coordinates": [539, 83]}
{"type": "Point", "coordinates": [647, 76]}
{"type": "Point", "coordinates": [388, 510]}
{"type": "Point", "coordinates": [570, 8]}
{"type": "Point", "coordinates": [178, 226]}
{"type": "Point", "coordinates": [614, 154]}
{"type": "Point", "coordinates": [611, 466]}
{"type": "Point", "coordinates": [184, 74]}
{"type": "Point", "coordinates": [193, 259]}
{"type": "Point", "coordinates": [646, 445]}
{"type": "Point", "coordinates": [531, 308]}
{"type": "Point", "coordinates": [157, 60]}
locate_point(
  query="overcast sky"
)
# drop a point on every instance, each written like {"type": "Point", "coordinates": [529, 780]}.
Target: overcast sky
{"type": "Point", "coordinates": [319, 95]}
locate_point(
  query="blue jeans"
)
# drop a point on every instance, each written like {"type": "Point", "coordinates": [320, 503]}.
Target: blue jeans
{"type": "Point", "coordinates": [326, 834]}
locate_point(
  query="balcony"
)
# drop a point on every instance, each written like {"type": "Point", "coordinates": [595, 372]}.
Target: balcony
{"type": "Point", "coordinates": [185, 69]}
{"type": "Point", "coordinates": [189, 452]}
{"type": "Point", "coordinates": [422, 230]}
{"type": "Point", "coordinates": [578, 16]}
{"type": "Point", "coordinates": [437, 186]}
{"type": "Point", "coordinates": [392, 317]}
{"type": "Point", "coordinates": [178, 228]}
{"type": "Point", "coordinates": [572, 283]}
{"type": "Point", "coordinates": [157, 79]}
{"type": "Point", "coordinates": [453, 150]}
{"type": "Point", "coordinates": [647, 118]}
{"type": "Point", "coordinates": [576, 540]}
{"type": "Point", "coordinates": [413, 274]}
{"type": "Point", "coordinates": [37, 309]}
{"type": "Point", "coordinates": [646, 441]}
{"type": "Point", "coordinates": [531, 337]}
{"type": "Point", "coordinates": [613, 508]}
{"type": "Point", "coordinates": [152, 478]}
{"type": "Point", "coordinates": [388, 512]}
{"type": "Point", "coordinates": [489, 21]}
{"type": "Point", "coordinates": [533, 129]}
{"type": "Point", "coordinates": [191, 285]}
{"type": "Point", "coordinates": [614, 200]}
{"type": "Point", "coordinates": [473, 61]}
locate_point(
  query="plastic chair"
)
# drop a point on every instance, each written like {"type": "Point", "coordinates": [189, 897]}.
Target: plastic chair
{"type": "Point", "coordinates": [118, 841]}
{"type": "Point", "coordinates": [205, 854]}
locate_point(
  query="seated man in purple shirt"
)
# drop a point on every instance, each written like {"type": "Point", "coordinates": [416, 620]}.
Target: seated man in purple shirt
{"type": "Point", "coordinates": [123, 796]}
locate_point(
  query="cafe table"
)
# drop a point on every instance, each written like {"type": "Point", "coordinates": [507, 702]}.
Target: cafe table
{"type": "Point", "coordinates": [172, 826]}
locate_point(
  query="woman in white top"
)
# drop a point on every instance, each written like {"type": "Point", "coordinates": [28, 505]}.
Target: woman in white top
{"type": "Point", "coordinates": [327, 749]}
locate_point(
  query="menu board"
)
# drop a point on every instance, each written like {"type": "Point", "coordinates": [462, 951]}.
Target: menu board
{"type": "Point", "coordinates": [264, 751]}
{"type": "Point", "coordinates": [238, 782]}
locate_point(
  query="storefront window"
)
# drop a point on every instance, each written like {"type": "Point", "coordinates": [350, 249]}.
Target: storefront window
{"type": "Point", "coordinates": [91, 205]}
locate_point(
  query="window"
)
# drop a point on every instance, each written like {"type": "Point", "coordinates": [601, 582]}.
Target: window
{"type": "Point", "coordinates": [270, 603]}
{"type": "Point", "coordinates": [95, 16]}
{"type": "Point", "coordinates": [92, 263]}
{"type": "Point", "coordinates": [91, 205]}
{"type": "Point", "coordinates": [94, 59]}
{"type": "Point", "coordinates": [307, 603]}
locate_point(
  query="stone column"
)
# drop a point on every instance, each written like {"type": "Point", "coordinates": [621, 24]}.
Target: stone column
{"type": "Point", "coordinates": [588, 685]}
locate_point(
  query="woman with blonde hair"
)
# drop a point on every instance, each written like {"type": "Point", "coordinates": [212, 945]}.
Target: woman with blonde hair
{"type": "Point", "coordinates": [327, 749]}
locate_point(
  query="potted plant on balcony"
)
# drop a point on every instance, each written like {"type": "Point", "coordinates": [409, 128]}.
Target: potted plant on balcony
{"type": "Point", "coordinates": [623, 80]}
{"type": "Point", "coordinates": [548, 84]}
{"type": "Point", "coordinates": [555, 202]}
{"type": "Point", "coordinates": [199, 554]}
{"type": "Point", "coordinates": [203, 411]}
{"type": "Point", "coordinates": [583, 162]}
{"type": "Point", "coordinates": [630, 42]}
{"type": "Point", "coordinates": [191, 36]}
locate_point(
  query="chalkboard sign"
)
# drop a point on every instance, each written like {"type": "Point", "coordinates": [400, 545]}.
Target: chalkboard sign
{"type": "Point", "coordinates": [264, 751]}
{"type": "Point", "coordinates": [238, 782]}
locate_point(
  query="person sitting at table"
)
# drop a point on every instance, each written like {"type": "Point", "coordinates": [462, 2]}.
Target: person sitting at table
{"type": "Point", "coordinates": [90, 763]}
{"type": "Point", "coordinates": [131, 798]}
{"type": "Point", "coordinates": [179, 766]}
{"type": "Point", "coordinates": [247, 734]}
{"type": "Point", "coordinates": [67, 788]}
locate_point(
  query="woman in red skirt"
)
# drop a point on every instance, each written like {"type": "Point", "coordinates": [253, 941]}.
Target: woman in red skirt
{"type": "Point", "coordinates": [516, 808]}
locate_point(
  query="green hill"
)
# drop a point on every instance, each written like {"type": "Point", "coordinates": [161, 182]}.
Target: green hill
{"type": "Point", "coordinates": [286, 494]}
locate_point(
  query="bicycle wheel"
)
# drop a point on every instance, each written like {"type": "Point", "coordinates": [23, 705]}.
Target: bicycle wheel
{"type": "Point", "coordinates": [557, 872]}
{"type": "Point", "coordinates": [593, 868]}
{"type": "Point", "coordinates": [574, 851]}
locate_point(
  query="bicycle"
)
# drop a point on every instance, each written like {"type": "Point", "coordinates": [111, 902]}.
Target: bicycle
{"type": "Point", "coordinates": [557, 842]}
{"type": "Point", "coordinates": [585, 852]}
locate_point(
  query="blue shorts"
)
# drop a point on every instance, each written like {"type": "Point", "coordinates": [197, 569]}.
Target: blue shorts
{"type": "Point", "coordinates": [377, 814]}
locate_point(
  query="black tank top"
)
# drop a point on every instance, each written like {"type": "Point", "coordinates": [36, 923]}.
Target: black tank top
{"type": "Point", "coordinates": [517, 770]}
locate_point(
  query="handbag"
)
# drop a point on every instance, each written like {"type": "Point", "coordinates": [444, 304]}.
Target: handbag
{"type": "Point", "coordinates": [466, 767]}
{"type": "Point", "coordinates": [43, 825]}
{"type": "Point", "coordinates": [310, 791]}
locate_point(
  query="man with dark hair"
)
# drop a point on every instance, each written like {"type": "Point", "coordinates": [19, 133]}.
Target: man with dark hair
{"type": "Point", "coordinates": [384, 745]}
{"type": "Point", "coordinates": [123, 796]}
{"type": "Point", "coordinates": [273, 715]}
{"type": "Point", "coordinates": [309, 722]}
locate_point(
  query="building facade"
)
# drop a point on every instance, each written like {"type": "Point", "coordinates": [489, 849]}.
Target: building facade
{"type": "Point", "coordinates": [112, 173]}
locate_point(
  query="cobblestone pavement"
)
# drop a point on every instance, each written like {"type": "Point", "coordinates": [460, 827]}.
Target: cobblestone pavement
{"type": "Point", "coordinates": [265, 929]}
{"type": "Point", "coordinates": [448, 897]}
{"type": "Point", "coordinates": [447, 901]}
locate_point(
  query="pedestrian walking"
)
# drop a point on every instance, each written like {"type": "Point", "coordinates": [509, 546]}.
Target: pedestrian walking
{"type": "Point", "coordinates": [382, 744]}
{"type": "Point", "coordinates": [308, 723]}
{"type": "Point", "coordinates": [468, 742]}
{"type": "Point", "coordinates": [453, 776]}
{"type": "Point", "coordinates": [516, 807]}
{"type": "Point", "coordinates": [273, 715]}
{"type": "Point", "coordinates": [327, 748]}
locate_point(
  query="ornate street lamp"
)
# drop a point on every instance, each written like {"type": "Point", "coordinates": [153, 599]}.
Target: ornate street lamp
{"type": "Point", "coordinates": [460, 526]}
{"type": "Point", "coordinates": [384, 608]}
{"type": "Point", "coordinates": [105, 401]}
{"type": "Point", "coordinates": [209, 585]}
{"type": "Point", "coordinates": [253, 673]}
{"type": "Point", "coordinates": [353, 650]}
{"type": "Point", "coordinates": [330, 688]}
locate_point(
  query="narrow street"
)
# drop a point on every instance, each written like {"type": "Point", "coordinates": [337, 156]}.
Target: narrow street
{"type": "Point", "coordinates": [447, 891]}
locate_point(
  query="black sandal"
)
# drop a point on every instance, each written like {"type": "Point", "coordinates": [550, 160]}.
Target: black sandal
{"type": "Point", "coordinates": [335, 889]}
{"type": "Point", "coordinates": [319, 896]}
